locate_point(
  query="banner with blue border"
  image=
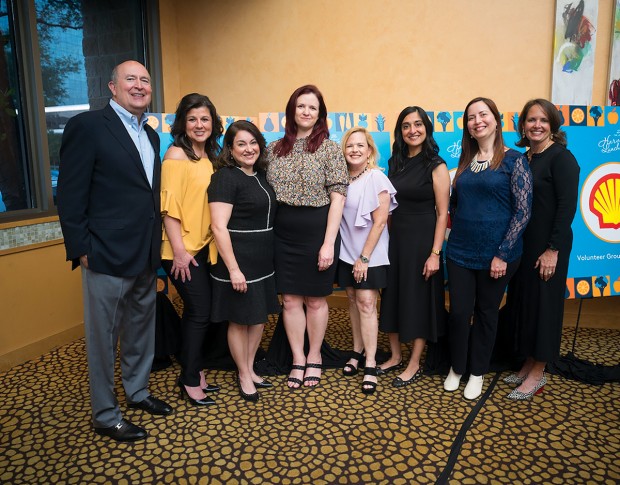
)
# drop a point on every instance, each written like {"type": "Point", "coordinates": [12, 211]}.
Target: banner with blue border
{"type": "Point", "coordinates": [593, 134]}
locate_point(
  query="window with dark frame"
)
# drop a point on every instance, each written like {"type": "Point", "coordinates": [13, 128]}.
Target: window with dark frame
{"type": "Point", "coordinates": [79, 43]}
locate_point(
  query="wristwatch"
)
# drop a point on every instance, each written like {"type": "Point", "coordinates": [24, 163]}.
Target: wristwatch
{"type": "Point", "coordinates": [364, 259]}
{"type": "Point", "coordinates": [436, 251]}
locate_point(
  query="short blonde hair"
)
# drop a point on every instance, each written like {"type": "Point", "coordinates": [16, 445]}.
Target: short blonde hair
{"type": "Point", "coordinates": [374, 153]}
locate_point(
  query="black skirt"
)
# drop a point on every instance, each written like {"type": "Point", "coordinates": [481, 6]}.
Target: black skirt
{"type": "Point", "coordinates": [299, 235]}
{"type": "Point", "coordinates": [376, 277]}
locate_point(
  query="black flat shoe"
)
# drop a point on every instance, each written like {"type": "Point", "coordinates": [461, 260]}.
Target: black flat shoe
{"type": "Point", "coordinates": [398, 382]}
{"type": "Point", "coordinates": [382, 372]}
{"type": "Point", "coordinates": [123, 431]}
{"type": "Point", "coordinates": [211, 388]}
{"type": "Point", "coordinates": [152, 405]}
{"type": "Point", "coordinates": [264, 384]}
{"type": "Point", "coordinates": [206, 401]}
{"type": "Point", "coordinates": [244, 395]}
{"type": "Point", "coordinates": [350, 369]}
{"type": "Point", "coordinates": [369, 371]}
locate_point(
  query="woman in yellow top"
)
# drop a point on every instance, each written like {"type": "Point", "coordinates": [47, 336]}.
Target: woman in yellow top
{"type": "Point", "coordinates": [185, 175]}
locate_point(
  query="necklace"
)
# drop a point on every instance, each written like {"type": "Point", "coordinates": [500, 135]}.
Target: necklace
{"type": "Point", "coordinates": [354, 178]}
{"type": "Point", "coordinates": [530, 153]}
{"type": "Point", "coordinates": [476, 166]}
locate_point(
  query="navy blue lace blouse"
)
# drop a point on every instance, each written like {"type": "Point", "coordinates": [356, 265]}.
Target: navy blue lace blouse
{"type": "Point", "coordinates": [489, 212]}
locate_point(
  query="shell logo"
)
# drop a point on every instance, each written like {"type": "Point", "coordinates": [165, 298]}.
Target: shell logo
{"type": "Point", "coordinates": [600, 202]}
{"type": "Point", "coordinates": [605, 201]}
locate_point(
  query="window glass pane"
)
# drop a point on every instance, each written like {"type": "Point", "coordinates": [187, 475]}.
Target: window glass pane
{"type": "Point", "coordinates": [15, 191]}
{"type": "Point", "coordinates": [80, 42]}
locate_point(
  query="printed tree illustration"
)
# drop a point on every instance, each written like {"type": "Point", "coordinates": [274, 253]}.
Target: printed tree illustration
{"type": "Point", "coordinates": [596, 112]}
{"type": "Point", "coordinates": [444, 118]}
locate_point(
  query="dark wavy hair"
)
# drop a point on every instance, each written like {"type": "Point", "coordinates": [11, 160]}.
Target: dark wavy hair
{"type": "Point", "coordinates": [400, 149]}
{"type": "Point", "coordinates": [177, 130]}
{"type": "Point", "coordinates": [319, 132]}
{"type": "Point", "coordinates": [225, 159]}
{"type": "Point", "coordinates": [551, 112]}
{"type": "Point", "coordinates": [469, 145]}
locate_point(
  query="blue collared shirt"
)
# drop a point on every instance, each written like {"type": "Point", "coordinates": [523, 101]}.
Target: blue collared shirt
{"type": "Point", "coordinates": [136, 131]}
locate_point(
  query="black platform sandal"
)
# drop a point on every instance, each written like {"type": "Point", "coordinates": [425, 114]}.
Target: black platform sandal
{"type": "Point", "coordinates": [369, 371]}
{"type": "Point", "coordinates": [294, 380]}
{"type": "Point", "coordinates": [309, 381]}
{"type": "Point", "coordinates": [350, 369]}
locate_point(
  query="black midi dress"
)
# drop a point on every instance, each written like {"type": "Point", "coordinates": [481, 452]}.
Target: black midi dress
{"type": "Point", "coordinates": [536, 307]}
{"type": "Point", "coordinates": [410, 305]}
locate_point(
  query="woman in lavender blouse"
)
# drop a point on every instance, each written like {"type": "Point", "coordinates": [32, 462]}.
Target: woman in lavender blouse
{"type": "Point", "coordinates": [362, 268]}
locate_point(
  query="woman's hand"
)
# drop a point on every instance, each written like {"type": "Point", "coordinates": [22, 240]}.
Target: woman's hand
{"type": "Point", "coordinates": [326, 256]}
{"type": "Point", "coordinates": [180, 266]}
{"type": "Point", "coordinates": [237, 278]}
{"type": "Point", "coordinates": [431, 266]}
{"type": "Point", "coordinates": [498, 268]}
{"type": "Point", "coordinates": [546, 264]}
{"type": "Point", "coordinates": [360, 271]}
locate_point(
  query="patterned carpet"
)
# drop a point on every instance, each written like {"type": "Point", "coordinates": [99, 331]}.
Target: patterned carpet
{"type": "Point", "coordinates": [332, 434]}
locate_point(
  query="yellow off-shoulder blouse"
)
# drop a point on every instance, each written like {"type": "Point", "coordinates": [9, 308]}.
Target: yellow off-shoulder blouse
{"type": "Point", "coordinates": [184, 197]}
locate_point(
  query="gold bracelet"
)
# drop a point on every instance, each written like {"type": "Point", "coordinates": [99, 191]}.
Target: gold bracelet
{"type": "Point", "coordinates": [436, 251]}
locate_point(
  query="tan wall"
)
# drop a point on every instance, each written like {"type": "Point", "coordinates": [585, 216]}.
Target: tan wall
{"type": "Point", "coordinates": [365, 55]}
{"type": "Point", "coordinates": [41, 303]}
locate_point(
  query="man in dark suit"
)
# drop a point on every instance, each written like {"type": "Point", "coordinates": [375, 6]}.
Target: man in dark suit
{"type": "Point", "coordinates": [108, 203]}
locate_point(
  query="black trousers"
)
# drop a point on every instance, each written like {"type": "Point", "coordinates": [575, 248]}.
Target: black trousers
{"type": "Point", "coordinates": [196, 295]}
{"type": "Point", "coordinates": [474, 293]}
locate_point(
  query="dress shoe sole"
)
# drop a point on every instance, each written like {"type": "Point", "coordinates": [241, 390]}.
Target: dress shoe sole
{"type": "Point", "coordinates": [124, 440]}
{"type": "Point", "coordinates": [154, 412]}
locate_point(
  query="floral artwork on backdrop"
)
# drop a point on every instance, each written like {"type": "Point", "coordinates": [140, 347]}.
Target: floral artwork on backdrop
{"type": "Point", "coordinates": [613, 94]}
{"type": "Point", "coordinates": [574, 45]}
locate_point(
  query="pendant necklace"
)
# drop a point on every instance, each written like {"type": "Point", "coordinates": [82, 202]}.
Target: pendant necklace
{"type": "Point", "coordinates": [476, 166]}
{"type": "Point", "coordinates": [530, 153]}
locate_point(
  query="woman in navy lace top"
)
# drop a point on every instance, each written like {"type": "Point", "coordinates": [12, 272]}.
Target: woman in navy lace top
{"type": "Point", "coordinates": [490, 208]}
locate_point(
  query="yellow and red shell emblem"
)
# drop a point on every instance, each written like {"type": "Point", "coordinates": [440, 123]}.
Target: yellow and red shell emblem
{"type": "Point", "coordinates": [605, 201]}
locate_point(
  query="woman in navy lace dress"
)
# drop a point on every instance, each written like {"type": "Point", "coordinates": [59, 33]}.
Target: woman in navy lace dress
{"type": "Point", "coordinates": [490, 208]}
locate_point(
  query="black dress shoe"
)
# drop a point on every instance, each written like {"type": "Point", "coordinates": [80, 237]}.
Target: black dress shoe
{"type": "Point", "coordinates": [398, 382]}
{"type": "Point", "coordinates": [244, 395]}
{"type": "Point", "coordinates": [382, 372]}
{"type": "Point", "coordinates": [211, 388]}
{"type": "Point", "coordinates": [123, 431]}
{"type": "Point", "coordinates": [206, 401]}
{"type": "Point", "coordinates": [264, 384]}
{"type": "Point", "coordinates": [152, 405]}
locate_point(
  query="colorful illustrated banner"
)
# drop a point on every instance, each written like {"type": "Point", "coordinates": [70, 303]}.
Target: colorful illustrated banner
{"type": "Point", "coordinates": [593, 137]}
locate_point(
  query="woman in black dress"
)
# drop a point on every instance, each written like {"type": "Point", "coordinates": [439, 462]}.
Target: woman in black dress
{"type": "Point", "coordinates": [412, 305]}
{"type": "Point", "coordinates": [242, 206]}
{"type": "Point", "coordinates": [309, 175]}
{"type": "Point", "coordinates": [536, 293]}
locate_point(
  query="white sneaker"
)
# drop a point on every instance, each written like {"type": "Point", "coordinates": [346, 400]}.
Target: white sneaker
{"type": "Point", "coordinates": [452, 381]}
{"type": "Point", "coordinates": [473, 389]}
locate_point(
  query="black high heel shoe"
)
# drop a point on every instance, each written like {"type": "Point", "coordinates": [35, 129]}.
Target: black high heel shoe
{"type": "Point", "coordinates": [264, 384]}
{"type": "Point", "coordinates": [369, 387]}
{"type": "Point", "coordinates": [206, 401]}
{"type": "Point", "coordinates": [244, 395]}
{"type": "Point", "coordinates": [211, 388]}
{"type": "Point", "coordinates": [350, 369]}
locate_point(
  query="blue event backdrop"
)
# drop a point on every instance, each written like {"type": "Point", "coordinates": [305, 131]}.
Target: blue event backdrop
{"type": "Point", "coordinates": [593, 137]}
